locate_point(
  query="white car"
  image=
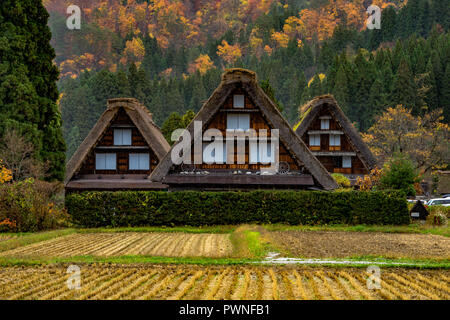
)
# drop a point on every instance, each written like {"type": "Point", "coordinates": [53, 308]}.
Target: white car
{"type": "Point", "coordinates": [439, 202]}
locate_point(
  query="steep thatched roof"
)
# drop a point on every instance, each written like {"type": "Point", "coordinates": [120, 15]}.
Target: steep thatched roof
{"type": "Point", "coordinates": [312, 109]}
{"type": "Point", "coordinates": [246, 80]}
{"type": "Point", "coordinates": [141, 118]}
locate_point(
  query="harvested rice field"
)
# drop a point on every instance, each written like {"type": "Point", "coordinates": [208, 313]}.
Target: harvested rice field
{"type": "Point", "coordinates": [113, 281]}
{"type": "Point", "coordinates": [340, 244]}
{"type": "Point", "coordinates": [129, 243]}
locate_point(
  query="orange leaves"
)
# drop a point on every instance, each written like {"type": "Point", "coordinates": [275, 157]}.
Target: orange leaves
{"type": "Point", "coordinates": [134, 52]}
{"type": "Point", "coordinates": [293, 27]}
{"type": "Point", "coordinates": [76, 65]}
{"type": "Point", "coordinates": [281, 39]}
{"type": "Point", "coordinates": [8, 225]}
{"type": "Point", "coordinates": [229, 53]}
{"type": "Point", "coordinates": [370, 181]}
{"type": "Point", "coordinates": [202, 64]}
{"type": "Point", "coordinates": [423, 139]}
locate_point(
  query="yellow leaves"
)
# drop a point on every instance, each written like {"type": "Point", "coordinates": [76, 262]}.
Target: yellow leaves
{"type": "Point", "coordinates": [397, 130]}
{"type": "Point", "coordinates": [369, 181]}
{"type": "Point", "coordinates": [202, 64]}
{"type": "Point", "coordinates": [5, 174]}
{"type": "Point", "coordinates": [281, 39]}
{"type": "Point", "coordinates": [321, 78]}
{"type": "Point", "coordinates": [134, 51]}
{"type": "Point", "coordinates": [293, 27]}
{"type": "Point", "coordinates": [229, 53]}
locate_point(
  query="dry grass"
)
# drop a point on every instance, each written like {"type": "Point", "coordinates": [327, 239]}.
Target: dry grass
{"type": "Point", "coordinates": [111, 281]}
{"type": "Point", "coordinates": [129, 243]}
{"type": "Point", "coordinates": [323, 244]}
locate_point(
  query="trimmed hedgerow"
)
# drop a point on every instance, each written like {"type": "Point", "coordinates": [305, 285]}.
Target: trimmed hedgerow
{"type": "Point", "coordinates": [140, 208]}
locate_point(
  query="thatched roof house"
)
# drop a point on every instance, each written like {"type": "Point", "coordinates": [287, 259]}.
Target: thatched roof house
{"type": "Point", "coordinates": [333, 139]}
{"type": "Point", "coordinates": [119, 152]}
{"type": "Point", "coordinates": [240, 105]}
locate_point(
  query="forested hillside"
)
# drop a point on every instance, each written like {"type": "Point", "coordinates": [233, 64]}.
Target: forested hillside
{"type": "Point", "coordinates": [170, 55]}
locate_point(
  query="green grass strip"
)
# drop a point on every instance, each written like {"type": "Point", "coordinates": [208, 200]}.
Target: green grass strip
{"type": "Point", "coordinates": [184, 229]}
{"type": "Point", "coordinates": [135, 259]}
{"type": "Point", "coordinates": [412, 228]}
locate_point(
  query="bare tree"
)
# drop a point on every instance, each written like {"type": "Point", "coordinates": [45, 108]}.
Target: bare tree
{"type": "Point", "coordinates": [18, 155]}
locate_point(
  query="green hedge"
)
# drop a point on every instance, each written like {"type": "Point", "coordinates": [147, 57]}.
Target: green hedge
{"type": "Point", "coordinates": [139, 208]}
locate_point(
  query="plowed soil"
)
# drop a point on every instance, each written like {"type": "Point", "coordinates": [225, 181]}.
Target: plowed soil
{"type": "Point", "coordinates": [328, 244]}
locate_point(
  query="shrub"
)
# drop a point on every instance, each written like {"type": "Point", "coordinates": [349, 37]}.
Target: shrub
{"type": "Point", "coordinates": [437, 219]}
{"type": "Point", "coordinates": [138, 208]}
{"type": "Point", "coordinates": [29, 205]}
{"type": "Point", "coordinates": [341, 180]}
{"type": "Point", "coordinates": [399, 174]}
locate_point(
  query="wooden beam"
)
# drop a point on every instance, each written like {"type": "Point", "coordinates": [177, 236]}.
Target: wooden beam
{"type": "Point", "coordinates": [239, 179]}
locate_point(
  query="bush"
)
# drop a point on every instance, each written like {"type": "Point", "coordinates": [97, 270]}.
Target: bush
{"type": "Point", "coordinates": [399, 174]}
{"type": "Point", "coordinates": [341, 180]}
{"type": "Point", "coordinates": [138, 208]}
{"type": "Point", "coordinates": [29, 205]}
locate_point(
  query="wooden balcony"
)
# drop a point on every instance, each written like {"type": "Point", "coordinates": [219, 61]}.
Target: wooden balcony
{"type": "Point", "coordinates": [342, 170]}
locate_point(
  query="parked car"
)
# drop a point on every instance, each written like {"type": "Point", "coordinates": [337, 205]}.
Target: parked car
{"type": "Point", "coordinates": [446, 195]}
{"type": "Point", "coordinates": [439, 202]}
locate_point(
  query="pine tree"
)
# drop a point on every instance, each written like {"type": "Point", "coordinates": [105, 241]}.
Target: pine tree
{"type": "Point", "coordinates": [173, 122]}
{"type": "Point", "coordinates": [26, 56]}
{"type": "Point", "coordinates": [445, 93]}
{"type": "Point", "coordinates": [341, 90]}
{"type": "Point", "coordinates": [404, 88]}
{"type": "Point", "coordinates": [265, 85]}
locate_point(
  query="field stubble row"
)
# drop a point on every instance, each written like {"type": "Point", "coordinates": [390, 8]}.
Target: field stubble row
{"type": "Point", "coordinates": [112, 281]}
{"type": "Point", "coordinates": [129, 243]}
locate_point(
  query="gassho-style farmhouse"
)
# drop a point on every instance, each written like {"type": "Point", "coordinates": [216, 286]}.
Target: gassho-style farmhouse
{"type": "Point", "coordinates": [231, 144]}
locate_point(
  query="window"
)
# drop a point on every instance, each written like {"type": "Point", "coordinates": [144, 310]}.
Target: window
{"type": "Point", "coordinates": [238, 101]}
{"type": "Point", "coordinates": [335, 139]}
{"type": "Point", "coordinates": [122, 137]}
{"type": "Point", "coordinates": [346, 162]}
{"type": "Point", "coordinates": [211, 156]}
{"type": "Point", "coordinates": [139, 161]}
{"type": "Point", "coordinates": [238, 121]}
{"type": "Point", "coordinates": [325, 124]}
{"type": "Point", "coordinates": [314, 139]}
{"type": "Point", "coordinates": [337, 162]}
{"type": "Point", "coordinates": [258, 156]}
{"type": "Point", "coordinates": [105, 161]}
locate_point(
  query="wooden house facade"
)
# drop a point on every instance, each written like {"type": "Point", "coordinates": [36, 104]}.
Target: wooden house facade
{"type": "Point", "coordinates": [239, 108]}
{"type": "Point", "coordinates": [120, 151]}
{"type": "Point", "coordinates": [332, 138]}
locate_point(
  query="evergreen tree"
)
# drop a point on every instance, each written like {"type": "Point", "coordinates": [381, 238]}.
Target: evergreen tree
{"type": "Point", "coordinates": [265, 85]}
{"type": "Point", "coordinates": [26, 58]}
{"type": "Point", "coordinates": [173, 122]}
{"type": "Point", "coordinates": [404, 88]}
{"type": "Point", "coordinates": [445, 97]}
{"type": "Point", "coordinates": [341, 90]}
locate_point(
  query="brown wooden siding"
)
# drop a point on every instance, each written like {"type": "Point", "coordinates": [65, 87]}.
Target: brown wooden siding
{"type": "Point", "coordinates": [122, 154]}
{"type": "Point", "coordinates": [346, 146]}
{"type": "Point", "coordinates": [257, 122]}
